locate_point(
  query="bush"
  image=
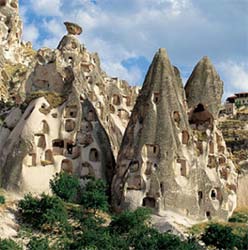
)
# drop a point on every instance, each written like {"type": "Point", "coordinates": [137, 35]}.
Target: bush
{"type": "Point", "coordinates": [129, 220]}
{"type": "Point", "coordinates": [46, 211]}
{"type": "Point", "coordinates": [220, 236]}
{"type": "Point", "coordinates": [9, 245]}
{"type": "Point", "coordinates": [2, 199]}
{"type": "Point", "coordinates": [94, 195]}
{"type": "Point", "coordinates": [38, 244]}
{"type": "Point", "coordinates": [240, 216]}
{"type": "Point", "coordinates": [65, 186]}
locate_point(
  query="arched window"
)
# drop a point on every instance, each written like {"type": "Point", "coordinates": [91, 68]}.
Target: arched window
{"type": "Point", "coordinates": [116, 100]}
{"type": "Point", "coordinates": [69, 125]}
{"type": "Point", "coordinates": [94, 155]}
{"type": "Point", "coordinates": [149, 202]}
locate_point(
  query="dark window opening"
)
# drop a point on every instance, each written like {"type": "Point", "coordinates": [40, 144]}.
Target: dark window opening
{"type": "Point", "coordinates": [208, 215]}
{"type": "Point", "coordinates": [149, 202]}
{"type": "Point", "coordinates": [58, 143]}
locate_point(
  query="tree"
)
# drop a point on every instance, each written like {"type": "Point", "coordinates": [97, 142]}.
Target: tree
{"type": "Point", "coordinates": [43, 211]}
{"type": "Point", "coordinates": [94, 195]}
{"type": "Point", "coordinates": [220, 236]}
{"type": "Point", "coordinates": [38, 244]}
{"type": "Point", "coordinates": [65, 186]}
{"type": "Point", "coordinates": [8, 244]}
{"type": "Point", "coordinates": [129, 220]}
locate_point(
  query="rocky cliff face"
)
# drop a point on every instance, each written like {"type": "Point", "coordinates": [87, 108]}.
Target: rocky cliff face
{"type": "Point", "coordinates": [170, 159]}
{"type": "Point", "coordinates": [61, 112]}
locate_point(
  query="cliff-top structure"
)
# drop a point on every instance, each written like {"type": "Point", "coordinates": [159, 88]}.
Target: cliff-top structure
{"type": "Point", "coordinates": [61, 112]}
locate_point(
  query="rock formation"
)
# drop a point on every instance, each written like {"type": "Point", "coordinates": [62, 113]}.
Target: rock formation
{"type": "Point", "coordinates": [69, 115]}
{"type": "Point", "coordinates": [61, 112]}
{"type": "Point", "coordinates": [204, 86]}
{"type": "Point", "coordinates": [170, 159]}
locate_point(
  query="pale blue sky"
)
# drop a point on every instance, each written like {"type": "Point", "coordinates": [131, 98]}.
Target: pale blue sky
{"type": "Point", "coordinates": [127, 33]}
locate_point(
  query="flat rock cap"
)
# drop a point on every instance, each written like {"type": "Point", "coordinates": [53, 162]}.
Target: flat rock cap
{"type": "Point", "coordinates": [73, 28]}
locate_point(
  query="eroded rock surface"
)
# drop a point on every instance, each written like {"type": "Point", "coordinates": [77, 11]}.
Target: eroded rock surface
{"type": "Point", "coordinates": [170, 159]}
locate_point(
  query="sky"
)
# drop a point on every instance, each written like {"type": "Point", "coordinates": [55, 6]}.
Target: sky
{"type": "Point", "coordinates": [127, 33]}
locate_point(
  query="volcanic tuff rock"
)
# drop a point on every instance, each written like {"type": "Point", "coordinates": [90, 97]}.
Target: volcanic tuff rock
{"type": "Point", "coordinates": [63, 114]}
{"type": "Point", "coordinates": [205, 86]}
{"type": "Point", "coordinates": [168, 163]}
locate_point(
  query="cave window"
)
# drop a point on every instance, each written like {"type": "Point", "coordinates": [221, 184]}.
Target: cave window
{"type": "Point", "coordinates": [33, 159]}
{"type": "Point", "coordinates": [116, 100]}
{"type": "Point", "coordinates": [49, 156]}
{"type": "Point", "coordinates": [123, 114]}
{"type": "Point", "coordinates": [69, 147]}
{"type": "Point", "coordinates": [41, 141]}
{"type": "Point", "coordinates": [86, 126]}
{"type": "Point", "coordinates": [69, 125]}
{"type": "Point", "coordinates": [58, 143]}
{"type": "Point", "coordinates": [162, 188]}
{"type": "Point", "coordinates": [3, 2]}
{"type": "Point", "coordinates": [71, 111]}
{"type": "Point", "coordinates": [176, 116]}
{"type": "Point", "coordinates": [208, 215]}
{"type": "Point", "coordinates": [134, 166]}
{"type": "Point", "coordinates": [54, 115]}
{"type": "Point", "coordinates": [199, 108]}
{"type": "Point", "coordinates": [211, 147]}
{"type": "Point", "coordinates": [94, 155]}
{"type": "Point", "coordinates": [185, 137]}
{"type": "Point", "coordinates": [156, 97]}
{"type": "Point", "coordinates": [148, 168]}
{"type": "Point", "coordinates": [149, 202]}
{"type": "Point", "coordinates": [200, 197]}
{"type": "Point", "coordinates": [183, 167]}
{"type": "Point", "coordinates": [91, 116]}
{"type": "Point", "coordinates": [58, 147]}
{"type": "Point", "coordinates": [45, 127]}
{"type": "Point", "coordinates": [213, 194]}
{"type": "Point", "coordinates": [152, 150]}
{"type": "Point", "coordinates": [111, 108]}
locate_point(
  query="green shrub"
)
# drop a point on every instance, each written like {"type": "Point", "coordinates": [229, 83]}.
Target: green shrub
{"type": "Point", "coordinates": [38, 244]}
{"type": "Point", "coordinates": [220, 236]}
{"type": "Point", "coordinates": [2, 199]}
{"type": "Point", "coordinates": [94, 196]}
{"type": "Point", "coordinates": [44, 211]}
{"type": "Point", "coordinates": [240, 216]}
{"type": "Point", "coordinates": [9, 245]}
{"type": "Point", "coordinates": [129, 220]}
{"type": "Point", "coordinates": [65, 186]}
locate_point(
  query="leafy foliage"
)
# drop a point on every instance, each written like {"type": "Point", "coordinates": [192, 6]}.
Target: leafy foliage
{"type": "Point", "coordinates": [94, 195]}
{"type": "Point", "coordinates": [240, 216]}
{"type": "Point", "coordinates": [220, 236]}
{"type": "Point", "coordinates": [65, 186]}
{"type": "Point", "coordinates": [128, 220]}
{"type": "Point", "coordinates": [46, 211]}
{"type": "Point", "coordinates": [8, 244]}
{"type": "Point", "coordinates": [2, 199]}
{"type": "Point", "coordinates": [38, 244]}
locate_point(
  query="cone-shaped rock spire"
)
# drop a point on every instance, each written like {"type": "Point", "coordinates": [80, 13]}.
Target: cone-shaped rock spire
{"type": "Point", "coordinates": [166, 164]}
{"type": "Point", "coordinates": [204, 86]}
